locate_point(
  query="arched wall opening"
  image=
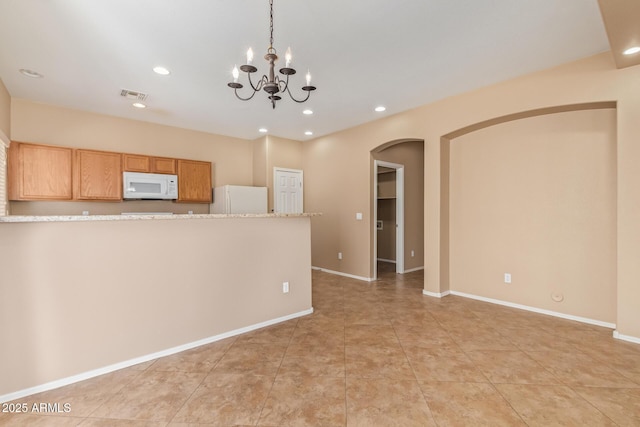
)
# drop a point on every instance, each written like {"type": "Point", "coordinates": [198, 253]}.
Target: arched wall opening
{"type": "Point", "coordinates": [533, 195]}
{"type": "Point", "coordinates": [408, 152]}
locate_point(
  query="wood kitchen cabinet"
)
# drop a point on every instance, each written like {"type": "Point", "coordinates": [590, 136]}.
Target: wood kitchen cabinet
{"type": "Point", "coordinates": [194, 181]}
{"type": "Point", "coordinates": [97, 175]}
{"type": "Point", "coordinates": [39, 172]}
{"type": "Point", "coordinates": [141, 163]}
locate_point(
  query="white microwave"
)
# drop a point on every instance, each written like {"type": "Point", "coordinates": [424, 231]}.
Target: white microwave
{"type": "Point", "coordinates": [154, 186]}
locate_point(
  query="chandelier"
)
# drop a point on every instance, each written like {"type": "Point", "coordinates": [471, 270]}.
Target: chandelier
{"type": "Point", "coordinates": [271, 84]}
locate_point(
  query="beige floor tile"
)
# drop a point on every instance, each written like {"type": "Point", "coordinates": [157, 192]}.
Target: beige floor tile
{"type": "Point", "coordinates": [226, 399]}
{"type": "Point", "coordinates": [86, 396]}
{"type": "Point", "coordinates": [414, 318]}
{"type": "Point", "coordinates": [486, 338]}
{"type": "Point", "coordinates": [468, 404]}
{"type": "Point", "coordinates": [546, 406]}
{"type": "Point", "coordinates": [319, 363]}
{"type": "Point", "coordinates": [579, 369]}
{"type": "Point", "coordinates": [370, 335]}
{"type": "Point", "coordinates": [305, 401]}
{"type": "Point", "coordinates": [280, 334]}
{"type": "Point", "coordinates": [424, 337]}
{"type": "Point", "coordinates": [249, 358]}
{"type": "Point", "coordinates": [199, 359]}
{"type": "Point", "coordinates": [389, 403]}
{"type": "Point", "coordinates": [153, 395]}
{"type": "Point", "coordinates": [143, 366]}
{"type": "Point", "coordinates": [531, 339]}
{"type": "Point", "coordinates": [303, 348]}
{"type": "Point", "coordinates": [622, 405]}
{"type": "Point", "coordinates": [367, 317]}
{"type": "Point", "coordinates": [361, 351]}
{"type": "Point", "coordinates": [442, 364]}
{"type": "Point", "coordinates": [621, 356]}
{"type": "Point", "coordinates": [513, 367]}
{"type": "Point", "coordinates": [26, 419]}
{"type": "Point", "coordinates": [110, 422]}
{"type": "Point", "coordinates": [377, 362]}
{"type": "Point", "coordinates": [313, 333]}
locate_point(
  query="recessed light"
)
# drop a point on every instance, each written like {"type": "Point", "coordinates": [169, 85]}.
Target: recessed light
{"type": "Point", "coordinates": [162, 71]}
{"type": "Point", "coordinates": [308, 133]}
{"type": "Point", "coordinates": [139, 105]}
{"type": "Point", "coordinates": [263, 130]}
{"type": "Point", "coordinates": [380, 108]}
{"type": "Point", "coordinates": [307, 112]}
{"type": "Point", "coordinates": [31, 73]}
{"type": "Point", "coordinates": [632, 50]}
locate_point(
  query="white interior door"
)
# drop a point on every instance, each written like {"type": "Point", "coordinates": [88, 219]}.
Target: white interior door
{"type": "Point", "coordinates": [287, 190]}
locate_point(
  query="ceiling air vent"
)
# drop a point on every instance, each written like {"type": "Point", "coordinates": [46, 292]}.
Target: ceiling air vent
{"type": "Point", "coordinates": [133, 95]}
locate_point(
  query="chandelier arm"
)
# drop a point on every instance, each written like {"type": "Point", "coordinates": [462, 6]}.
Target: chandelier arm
{"type": "Point", "coordinates": [299, 101]}
{"type": "Point", "coordinates": [282, 85]}
{"type": "Point", "coordinates": [257, 87]}
{"type": "Point", "coordinates": [244, 99]}
{"type": "Point", "coordinates": [284, 88]}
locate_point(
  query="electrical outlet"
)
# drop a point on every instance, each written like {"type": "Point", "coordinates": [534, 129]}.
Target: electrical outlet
{"type": "Point", "coordinates": [413, 253]}
{"type": "Point", "coordinates": [339, 255]}
{"type": "Point", "coordinates": [507, 277]}
{"type": "Point", "coordinates": [85, 213]}
{"type": "Point", "coordinates": [285, 287]}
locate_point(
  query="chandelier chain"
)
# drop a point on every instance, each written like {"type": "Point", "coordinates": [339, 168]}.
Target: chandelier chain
{"type": "Point", "coordinates": [271, 24]}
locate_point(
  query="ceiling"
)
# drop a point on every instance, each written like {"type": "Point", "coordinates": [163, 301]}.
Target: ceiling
{"type": "Point", "coordinates": [361, 54]}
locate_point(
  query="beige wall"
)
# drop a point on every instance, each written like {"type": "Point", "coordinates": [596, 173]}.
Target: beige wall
{"type": "Point", "coordinates": [337, 171]}
{"type": "Point", "coordinates": [79, 296]}
{"type": "Point", "coordinates": [536, 198]}
{"type": "Point", "coordinates": [270, 152]}
{"type": "Point", "coordinates": [260, 148]}
{"type": "Point", "coordinates": [45, 124]}
{"type": "Point", "coordinates": [5, 111]}
{"type": "Point", "coordinates": [411, 155]}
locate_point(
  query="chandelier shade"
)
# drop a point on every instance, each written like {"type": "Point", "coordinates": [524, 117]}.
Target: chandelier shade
{"type": "Point", "coordinates": [272, 83]}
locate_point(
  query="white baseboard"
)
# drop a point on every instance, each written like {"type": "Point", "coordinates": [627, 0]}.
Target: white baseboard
{"type": "Point", "coordinates": [339, 273]}
{"type": "Point", "coordinates": [392, 261]}
{"type": "Point", "coordinates": [105, 370]}
{"type": "Point", "coordinates": [435, 294]}
{"type": "Point", "coordinates": [537, 310]}
{"type": "Point", "coordinates": [617, 335]}
{"type": "Point", "coordinates": [411, 270]}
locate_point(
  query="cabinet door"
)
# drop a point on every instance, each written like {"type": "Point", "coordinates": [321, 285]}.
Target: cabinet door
{"type": "Point", "coordinates": [136, 163]}
{"type": "Point", "coordinates": [39, 172]}
{"type": "Point", "coordinates": [98, 175]}
{"type": "Point", "coordinates": [194, 181]}
{"type": "Point", "coordinates": [163, 165]}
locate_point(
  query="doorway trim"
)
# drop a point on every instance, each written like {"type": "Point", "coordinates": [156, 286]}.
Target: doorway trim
{"type": "Point", "coordinates": [399, 215]}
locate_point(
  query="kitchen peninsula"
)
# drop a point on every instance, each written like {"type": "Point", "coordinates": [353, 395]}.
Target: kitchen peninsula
{"type": "Point", "coordinates": [85, 295]}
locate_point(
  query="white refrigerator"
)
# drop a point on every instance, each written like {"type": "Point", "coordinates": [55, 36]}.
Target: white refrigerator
{"type": "Point", "coordinates": [239, 199]}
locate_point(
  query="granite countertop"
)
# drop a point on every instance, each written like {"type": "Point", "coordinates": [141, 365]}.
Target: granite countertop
{"type": "Point", "coordinates": [138, 217]}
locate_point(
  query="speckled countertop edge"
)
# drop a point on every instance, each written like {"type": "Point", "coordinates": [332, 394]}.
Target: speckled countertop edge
{"type": "Point", "coordinates": [78, 218]}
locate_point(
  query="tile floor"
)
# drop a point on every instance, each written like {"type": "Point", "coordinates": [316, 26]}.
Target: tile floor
{"type": "Point", "coordinates": [374, 354]}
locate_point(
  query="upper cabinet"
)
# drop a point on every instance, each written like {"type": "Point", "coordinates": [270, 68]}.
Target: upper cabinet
{"type": "Point", "coordinates": [39, 172]}
{"type": "Point", "coordinates": [163, 165]}
{"type": "Point", "coordinates": [141, 163]}
{"type": "Point", "coordinates": [194, 181]}
{"type": "Point", "coordinates": [44, 172]}
{"type": "Point", "coordinates": [98, 175]}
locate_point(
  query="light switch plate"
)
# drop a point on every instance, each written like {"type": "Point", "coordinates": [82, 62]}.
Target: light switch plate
{"type": "Point", "coordinates": [359, 216]}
